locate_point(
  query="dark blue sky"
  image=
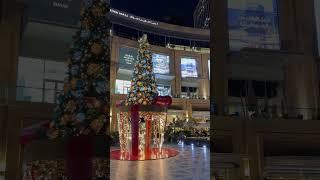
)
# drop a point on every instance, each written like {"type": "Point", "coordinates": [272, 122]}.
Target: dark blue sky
{"type": "Point", "coordinates": [178, 12]}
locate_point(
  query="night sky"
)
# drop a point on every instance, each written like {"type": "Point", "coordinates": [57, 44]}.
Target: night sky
{"type": "Point", "coordinates": [178, 12]}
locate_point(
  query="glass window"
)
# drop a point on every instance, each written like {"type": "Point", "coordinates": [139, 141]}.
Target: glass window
{"type": "Point", "coordinates": [50, 85]}
{"type": "Point", "coordinates": [49, 96]}
{"type": "Point", "coordinates": [29, 94]}
{"type": "Point", "coordinates": [188, 67]}
{"type": "Point", "coordinates": [189, 92]}
{"type": "Point", "coordinates": [55, 70]}
{"type": "Point", "coordinates": [127, 57]}
{"type": "Point", "coordinates": [317, 18]}
{"type": "Point", "coordinates": [160, 64]}
{"type": "Point", "coordinates": [60, 86]}
{"type": "Point", "coordinates": [253, 24]}
{"type": "Point", "coordinates": [122, 86]}
{"type": "Point", "coordinates": [30, 72]}
{"type": "Point", "coordinates": [39, 80]}
{"type": "Point", "coordinates": [164, 90]}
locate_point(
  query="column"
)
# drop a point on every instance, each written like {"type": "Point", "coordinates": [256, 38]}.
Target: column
{"type": "Point", "coordinates": [219, 49]}
{"type": "Point", "coordinates": [177, 64]}
{"type": "Point", "coordinates": [297, 34]}
{"type": "Point", "coordinates": [10, 27]}
{"type": "Point", "coordinates": [114, 58]}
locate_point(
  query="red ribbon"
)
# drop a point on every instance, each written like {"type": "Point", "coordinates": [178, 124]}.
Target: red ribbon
{"type": "Point", "coordinates": [135, 131]}
{"type": "Point", "coordinates": [163, 101]}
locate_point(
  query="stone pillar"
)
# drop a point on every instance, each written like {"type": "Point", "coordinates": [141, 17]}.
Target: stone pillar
{"type": "Point", "coordinates": [14, 149]}
{"type": "Point", "coordinates": [9, 50]}
{"type": "Point", "coordinates": [177, 64]}
{"type": "Point", "coordinates": [3, 118]}
{"type": "Point", "coordinates": [219, 48]}
{"type": "Point", "coordinates": [297, 34]}
{"type": "Point", "coordinates": [10, 31]}
{"type": "Point", "coordinates": [114, 60]}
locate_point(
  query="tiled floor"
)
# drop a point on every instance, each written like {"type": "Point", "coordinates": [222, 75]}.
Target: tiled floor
{"type": "Point", "coordinates": [192, 163]}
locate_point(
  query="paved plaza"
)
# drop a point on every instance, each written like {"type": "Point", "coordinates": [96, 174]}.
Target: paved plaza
{"type": "Point", "coordinates": [192, 163]}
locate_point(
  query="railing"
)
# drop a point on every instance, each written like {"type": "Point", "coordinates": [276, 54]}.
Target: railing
{"type": "Point", "coordinates": [154, 39]}
{"type": "Point", "coordinates": [41, 95]}
{"type": "Point", "coordinates": [268, 112]}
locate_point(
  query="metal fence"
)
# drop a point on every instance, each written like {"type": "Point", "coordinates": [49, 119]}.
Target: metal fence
{"type": "Point", "coordinates": [268, 112]}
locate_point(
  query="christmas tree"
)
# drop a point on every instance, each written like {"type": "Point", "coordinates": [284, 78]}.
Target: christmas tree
{"type": "Point", "coordinates": [143, 90]}
{"type": "Point", "coordinates": [83, 107]}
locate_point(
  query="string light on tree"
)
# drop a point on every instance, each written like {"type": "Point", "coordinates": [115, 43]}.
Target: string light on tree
{"type": "Point", "coordinates": [143, 89]}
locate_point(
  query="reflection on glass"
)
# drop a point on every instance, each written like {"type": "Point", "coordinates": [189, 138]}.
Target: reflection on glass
{"type": "Point", "coordinates": [30, 72]}
{"type": "Point", "coordinates": [49, 96]}
{"type": "Point", "coordinates": [39, 80]}
{"type": "Point", "coordinates": [254, 24]}
{"type": "Point", "coordinates": [29, 94]}
{"type": "Point", "coordinates": [122, 86]}
{"type": "Point", "coordinates": [50, 85]}
{"type": "Point", "coordinates": [55, 70]}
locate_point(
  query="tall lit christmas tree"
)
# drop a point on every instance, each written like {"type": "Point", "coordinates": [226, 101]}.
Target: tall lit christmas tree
{"type": "Point", "coordinates": [82, 109]}
{"type": "Point", "coordinates": [142, 115]}
{"type": "Point", "coordinates": [143, 90]}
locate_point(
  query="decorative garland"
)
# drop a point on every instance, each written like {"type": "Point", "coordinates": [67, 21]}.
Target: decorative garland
{"type": "Point", "coordinates": [56, 169]}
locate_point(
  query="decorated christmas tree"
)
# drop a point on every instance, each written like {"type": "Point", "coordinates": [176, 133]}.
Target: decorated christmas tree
{"type": "Point", "coordinates": [83, 107]}
{"type": "Point", "coordinates": [143, 90]}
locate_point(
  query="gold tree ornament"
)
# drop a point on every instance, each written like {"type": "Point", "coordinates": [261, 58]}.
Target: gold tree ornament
{"type": "Point", "coordinates": [53, 134]}
{"type": "Point", "coordinates": [92, 69]}
{"type": "Point", "coordinates": [96, 48]}
{"type": "Point", "coordinates": [66, 87]}
{"type": "Point", "coordinates": [71, 106]}
{"type": "Point", "coordinates": [98, 11]}
{"type": "Point", "coordinates": [65, 119]}
{"type": "Point", "coordinates": [86, 23]}
{"type": "Point", "coordinates": [73, 83]}
{"type": "Point", "coordinates": [97, 124]}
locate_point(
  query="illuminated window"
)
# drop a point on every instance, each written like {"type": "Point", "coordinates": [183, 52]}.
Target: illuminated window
{"type": "Point", "coordinates": [164, 90]}
{"type": "Point", "coordinates": [122, 86]}
{"type": "Point", "coordinates": [188, 68]}
{"type": "Point", "coordinates": [160, 64]}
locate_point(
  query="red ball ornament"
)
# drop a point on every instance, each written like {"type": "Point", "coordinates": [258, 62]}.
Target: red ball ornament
{"type": "Point", "coordinates": [163, 101]}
